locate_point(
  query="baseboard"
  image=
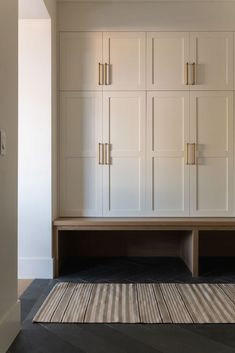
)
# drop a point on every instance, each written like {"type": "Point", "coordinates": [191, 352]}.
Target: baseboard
{"type": "Point", "coordinates": [9, 327]}
{"type": "Point", "coordinates": [35, 267]}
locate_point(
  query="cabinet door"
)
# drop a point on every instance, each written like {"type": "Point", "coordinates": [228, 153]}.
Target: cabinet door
{"type": "Point", "coordinates": [167, 58]}
{"type": "Point", "coordinates": [125, 54]}
{"type": "Point", "coordinates": [212, 53]}
{"type": "Point", "coordinates": [211, 178]}
{"type": "Point", "coordinates": [80, 173]}
{"type": "Point", "coordinates": [167, 134]}
{"type": "Point", "coordinates": [124, 130]}
{"type": "Point", "coordinates": [80, 55]}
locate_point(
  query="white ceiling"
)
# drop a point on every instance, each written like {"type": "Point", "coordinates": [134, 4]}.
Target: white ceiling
{"type": "Point", "coordinates": [32, 9]}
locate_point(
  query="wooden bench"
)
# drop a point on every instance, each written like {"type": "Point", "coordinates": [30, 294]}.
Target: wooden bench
{"type": "Point", "coordinates": [189, 241]}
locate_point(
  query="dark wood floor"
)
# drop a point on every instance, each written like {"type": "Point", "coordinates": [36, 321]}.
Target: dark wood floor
{"type": "Point", "coordinates": [125, 338]}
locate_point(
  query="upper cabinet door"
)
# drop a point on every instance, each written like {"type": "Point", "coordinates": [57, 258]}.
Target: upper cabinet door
{"type": "Point", "coordinates": [211, 177]}
{"type": "Point", "coordinates": [80, 55]}
{"type": "Point", "coordinates": [212, 56]}
{"type": "Point", "coordinates": [167, 59]}
{"type": "Point", "coordinates": [124, 60]}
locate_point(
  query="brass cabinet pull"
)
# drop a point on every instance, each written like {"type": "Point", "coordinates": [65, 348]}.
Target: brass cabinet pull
{"type": "Point", "coordinates": [106, 74]}
{"type": "Point", "coordinates": [194, 73]}
{"type": "Point", "coordinates": [186, 153]}
{"type": "Point", "coordinates": [106, 159]}
{"type": "Point", "coordinates": [190, 153]}
{"type": "Point", "coordinates": [186, 74]}
{"type": "Point", "coordinates": [109, 153]}
{"type": "Point", "coordinates": [101, 74]}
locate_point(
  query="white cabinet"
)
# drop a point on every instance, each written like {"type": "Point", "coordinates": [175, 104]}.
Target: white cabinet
{"type": "Point", "coordinates": [168, 132]}
{"type": "Point", "coordinates": [124, 60]}
{"type": "Point", "coordinates": [195, 61]}
{"type": "Point", "coordinates": [167, 58]}
{"type": "Point", "coordinates": [80, 55]}
{"type": "Point", "coordinates": [166, 151]}
{"type": "Point", "coordinates": [80, 172]}
{"type": "Point", "coordinates": [97, 61]}
{"type": "Point", "coordinates": [212, 53]}
{"type": "Point", "coordinates": [124, 129]}
{"type": "Point", "coordinates": [211, 128]}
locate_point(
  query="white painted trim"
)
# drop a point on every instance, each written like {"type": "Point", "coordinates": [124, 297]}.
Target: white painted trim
{"type": "Point", "coordinates": [9, 327]}
{"type": "Point", "coordinates": [35, 267]}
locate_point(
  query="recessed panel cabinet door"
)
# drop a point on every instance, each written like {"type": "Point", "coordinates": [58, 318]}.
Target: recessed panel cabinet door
{"type": "Point", "coordinates": [80, 172]}
{"type": "Point", "coordinates": [124, 130]}
{"type": "Point", "coordinates": [124, 52]}
{"type": "Point", "coordinates": [167, 134]}
{"type": "Point", "coordinates": [212, 53]}
{"type": "Point", "coordinates": [167, 58]}
{"type": "Point", "coordinates": [80, 55]}
{"type": "Point", "coordinates": [211, 178]}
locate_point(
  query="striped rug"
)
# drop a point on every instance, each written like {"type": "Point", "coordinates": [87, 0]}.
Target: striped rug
{"type": "Point", "coordinates": [139, 303]}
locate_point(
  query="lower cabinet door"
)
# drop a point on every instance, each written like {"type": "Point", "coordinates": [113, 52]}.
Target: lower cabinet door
{"type": "Point", "coordinates": [80, 172]}
{"type": "Point", "coordinates": [211, 178]}
{"type": "Point", "coordinates": [167, 171]}
{"type": "Point", "coordinates": [124, 136]}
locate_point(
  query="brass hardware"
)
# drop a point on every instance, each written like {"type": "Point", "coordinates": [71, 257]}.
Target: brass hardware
{"type": "Point", "coordinates": [109, 154]}
{"type": "Point", "coordinates": [186, 153]}
{"type": "Point", "coordinates": [103, 154]}
{"type": "Point", "coordinates": [191, 154]}
{"type": "Point", "coordinates": [106, 159]}
{"type": "Point", "coordinates": [194, 73]}
{"type": "Point", "coordinates": [101, 74]}
{"type": "Point", "coordinates": [186, 73]}
{"type": "Point", "coordinates": [106, 74]}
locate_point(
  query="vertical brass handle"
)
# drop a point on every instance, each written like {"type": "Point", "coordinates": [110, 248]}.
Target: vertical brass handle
{"type": "Point", "coordinates": [186, 74]}
{"type": "Point", "coordinates": [103, 154]}
{"type": "Point", "coordinates": [194, 73]}
{"type": "Point", "coordinates": [101, 74]}
{"type": "Point", "coordinates": [106, 154]}
{"type": "Point", "coordinates": [109, 154]}
{"type": "Point", "coordinates": [186, 153]}
{"type": "Point", "coordinates": [190, 153]}
{"type": "Point", "coordinates": [106, 74]}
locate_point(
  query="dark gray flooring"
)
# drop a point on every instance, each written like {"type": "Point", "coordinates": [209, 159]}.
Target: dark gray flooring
{"type": "Point", "coordinates": [125, 338]}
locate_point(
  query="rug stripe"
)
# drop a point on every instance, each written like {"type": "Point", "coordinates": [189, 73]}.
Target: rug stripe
{"type": "Point", "coordinates": [50, 304]}
{"type": "Point", "coordinates": [148, 305]}
{"type": "Point", "coordinates": [176, 307]}
{"type": "Point", "coordinates": [165, 314]}
{"type": "Point", "coordinates": [78, 305]}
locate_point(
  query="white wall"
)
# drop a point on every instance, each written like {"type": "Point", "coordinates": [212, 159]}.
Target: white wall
{"type": "Point", "coordinates": [35, 191]}
{"type": "Point", "coordinates": [51, 6]}
{"type": "Point", "coordinates": [9, 306]}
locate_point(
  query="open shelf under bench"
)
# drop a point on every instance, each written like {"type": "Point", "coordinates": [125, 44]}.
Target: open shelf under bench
{"type": "Point", "coordinates": [189, 231]}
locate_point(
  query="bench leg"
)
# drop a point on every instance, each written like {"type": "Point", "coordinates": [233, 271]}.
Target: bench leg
{"type": "Point", "coordinates": [56, 251]}
{"type": "Point", "coordinates": [189, 251]}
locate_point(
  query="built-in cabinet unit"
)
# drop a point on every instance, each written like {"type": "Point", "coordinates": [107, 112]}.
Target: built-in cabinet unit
{"type": "Point", "coordinates": [146, 124]}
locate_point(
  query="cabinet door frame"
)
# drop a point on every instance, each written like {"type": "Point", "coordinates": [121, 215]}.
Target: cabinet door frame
{"type": "Point", "coordinates": [65, 85]}
{"type": "Point", "coordinates": [107, 212]}
{"type": "Point", "coordinates": [152, 154]}
{"type": "Point", "coordinates": [228, 84]}
{"type": "Point", "coordinates": [107, 47]}
{"type": "Point", "coordinates": [210, 154]}
{"type": "Point", "coordinates": [151, 84]}
{"type": "Point", "coordinates": [81, 212]}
